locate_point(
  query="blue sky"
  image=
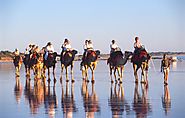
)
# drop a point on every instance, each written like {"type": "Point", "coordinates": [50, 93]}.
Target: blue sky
{"type": "Point", "coordinates": [160, 24]}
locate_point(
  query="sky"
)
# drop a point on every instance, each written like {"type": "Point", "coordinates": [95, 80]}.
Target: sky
{"type": "Point", "coordinates": [160, 24]}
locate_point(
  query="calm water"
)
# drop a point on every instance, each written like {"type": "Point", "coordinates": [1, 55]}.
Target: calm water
{"type": "Point", "coordinates": [20, 98]}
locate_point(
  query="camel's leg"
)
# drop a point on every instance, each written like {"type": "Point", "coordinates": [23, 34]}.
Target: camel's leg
{"type": "Point", "coordinates": [55, 80]}
{"type": "Point", "coordinates": [29, 71]}
{"type": "Point", "coordinates": [135, 73]}
{"type": "Point", "coordinates": [48, 74]}
{"type": "Point", "coordinates": [122, 92]}
{"type": "Point", "coordinates": [119, 74]}
{"type": "Point", "coordinates": [92, 80]}
{"type": "Point", "coordinates": [142, 74]}
{"type": "Point", "coordinates": [72, 67]}
{"type": "Point", "coordinates": [62, 68]}
{"type": "Point", "coordinates": [110, 68]}
{"type": "Point", "coordinates": [44, 72]}
{"type": "Point", "coordinates": [92, 70]}
{"type": "Point", "coordinates": [86, 73]}
{"type": "Point", "coordinates": [83, 74]}
{"type": "Point", "coordinates": [115, 74]}
{"type": "Point", "coordinates": [72, 78]}
{"type": "Point", "coordinates": [67, 79]}
{"type": "Point", "coordinates": [136, 93]}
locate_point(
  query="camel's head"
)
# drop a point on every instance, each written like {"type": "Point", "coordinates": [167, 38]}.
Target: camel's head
{"type": "Point", "coordinates": [128, 54]}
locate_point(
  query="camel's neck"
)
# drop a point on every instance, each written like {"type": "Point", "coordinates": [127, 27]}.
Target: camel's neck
{"type": "Point", "coordinates": [125, 59]}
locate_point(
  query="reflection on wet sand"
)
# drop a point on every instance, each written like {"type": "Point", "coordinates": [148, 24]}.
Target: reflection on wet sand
{"type": "Point", "coordinates": [117, 101]}
{"type": "Point", "coordinates": [34, 95]}
{"type": "Point", "coordinates": [90, 100]}
{"type": "Point", "coordinates": [141, 104]}
{"type": "Point", "coordinates": [166, 100]}
{"type": "Point", "coordinates": [40, 94]}
{"type": "Point", "coordinates": [18, 90]}
{"type": "Point", "coordinates": [68, 101]}
{"type": "Point", "coordinates": [50, 100]}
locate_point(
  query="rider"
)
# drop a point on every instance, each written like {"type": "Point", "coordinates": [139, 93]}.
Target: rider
{"type": "Point", "coordinates": [137, 45]}
{"type": "Point", "coordinates": [49, 50]}
{"type": "Point", "coordinates": [66, 46]}
{"type": "Point", "coordinates": [87, 46]}
{"type": "Point", "coordinates": [114, 47]}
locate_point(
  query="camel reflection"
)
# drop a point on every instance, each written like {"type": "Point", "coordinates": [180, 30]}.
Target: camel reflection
{"type": "Point", "coordinates": [67, 101]}
{"type": "Point", "coordinates": [18, 90]}
{"type": "Point", "coordinates": [34, 95]}
{"type": "Point", "coordinates": [117, 102]}
{"type": "Point", "coordinates": [141, 104]}
{"type": "Point", "coordinates": [166, 100]}
{"type": "Point", "coordinates": [40, 94]}
{"type": "Point", "coordinates": [50, 100]}
{"type": "Point", "coordinates": [90, 100]}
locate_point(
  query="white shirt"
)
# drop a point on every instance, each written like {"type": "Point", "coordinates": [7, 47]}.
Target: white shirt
{"type": "Point", "coordinates": [90, 46]}
{"type": "Point", "coordinates": [68, 46]}
{"type": "Point", "coordinates": [85, 46]}
{"type": "Point", "coordinates": [50, 48]}
{"type": "Point", "coordinates": [114, 46]}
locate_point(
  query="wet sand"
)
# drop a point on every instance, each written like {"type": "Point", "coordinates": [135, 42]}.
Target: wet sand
{"type": "Point", "coordinates": [20, 98]}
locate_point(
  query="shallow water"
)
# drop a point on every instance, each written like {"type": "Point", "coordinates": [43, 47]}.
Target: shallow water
{"type": "Point", "coordinates": [20, 98]}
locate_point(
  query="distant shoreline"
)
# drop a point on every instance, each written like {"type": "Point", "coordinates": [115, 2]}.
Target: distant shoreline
{"type": "Point", "coordinates": [7, 56]}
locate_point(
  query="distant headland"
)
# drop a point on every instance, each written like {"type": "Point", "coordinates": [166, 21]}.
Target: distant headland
{"type": "Point", "coordinates": [7, 56]}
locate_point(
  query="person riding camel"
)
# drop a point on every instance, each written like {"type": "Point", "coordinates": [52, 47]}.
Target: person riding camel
{"type": "Point", "coordinates": [87, 46]}
{"type": "Point", "coordinates": [114, 47]}
{"type": "Point", "coordinates": [66, 46]}
{"type": "Point", "coordinates": [49, 50]}
{"type": "Point", "coordinates": [85, 49]}
{"type": "Point", "coordinates": [137, 45]}
{"type": "Point", "coordinates": [140, 52]}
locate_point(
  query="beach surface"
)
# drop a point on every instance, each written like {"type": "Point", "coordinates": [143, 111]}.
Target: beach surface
{"type": "Point", "coordinates": [21, 98]}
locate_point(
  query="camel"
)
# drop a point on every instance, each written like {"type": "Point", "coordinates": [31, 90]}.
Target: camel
{"type": "Point", "coordinates": [50, 62]}
{"type": "Point", "coordinates": [89, 61]}
{"type": "Point", "coordinates": [67, 60]}
{"type": "Point", "coordinates": [30, 63]}
{"type": "Point", "coordinates": [141, 61]}
{"type": "Point", "coordinates": [116, 63]}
